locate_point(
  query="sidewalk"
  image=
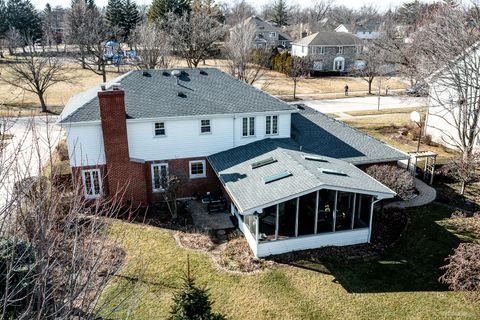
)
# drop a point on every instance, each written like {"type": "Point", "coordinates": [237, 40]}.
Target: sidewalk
{"type": "Point", "coordinates": [426, 195]}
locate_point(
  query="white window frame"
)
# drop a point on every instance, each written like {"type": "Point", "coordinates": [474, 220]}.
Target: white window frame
{"type": "Point", "coordinates": [269, 128]}
{"type": "Point", "coordinates": [204, 126]}
{"type": "Point", "coordinates": [340, 50]}
{"type": "Point", "coordinates": [93, 195]}
{"type": "Point", "coordinates": [272, 34]}
{"type": "Point", "coordinates": [159, 165]}
{"type": "Point", "coordinates": [155, 129]}
{"type": "Point", "coordinates": [249, 127]}
{"type": "Point", "coordinates": [197, 175]}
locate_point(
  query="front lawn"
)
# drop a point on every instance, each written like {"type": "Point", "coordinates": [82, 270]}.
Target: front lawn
{"type": "Point", "coordinates": [402, 284]}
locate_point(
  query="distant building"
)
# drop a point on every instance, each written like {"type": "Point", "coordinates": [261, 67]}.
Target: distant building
{"type": "Point", "coordinates": [268, 35]}
{"type": "Point", "coordinates": [341, 28]}
{"type": "Point", "coordinates": [330, 51]}
{"type": "Point", "coordinates": [368, 31]}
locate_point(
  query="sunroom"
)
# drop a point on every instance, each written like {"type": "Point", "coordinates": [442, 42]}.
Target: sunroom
{"type": "Point", "coordinates": [286, 199]}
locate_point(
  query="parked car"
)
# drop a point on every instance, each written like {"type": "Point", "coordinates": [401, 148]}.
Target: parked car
{"type": "Point", "coordinates": [418, 90]}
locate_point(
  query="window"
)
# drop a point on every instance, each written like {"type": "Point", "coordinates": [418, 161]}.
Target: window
{"type": "Point", "coordinates": [92, 184]}
{"type": "Point", "coordinates": [197, 169]}
{"type": "Point", "coordinates": [271, 125]}
{"type": "Point", "coordinates": [272, 34]}
{"type": "Point", "coordinates": [159, 176]}
{"type": "Point", "coordinates": [340, 50]}
{"type": "Point", "coordinates": [318, 50]}
{"type": "Point", "coordinates": [302, 49]}
{"type": "Point", "coordinates": [205, 126]}
{"type": "Point", "coordinates": [159, 128]}
{"type": "Point", "coordinates": [248, 126]}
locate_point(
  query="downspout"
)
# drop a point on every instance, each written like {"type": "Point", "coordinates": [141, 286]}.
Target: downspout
{"type": "Point", "coordinates": [371, 219]}
{"type": "Point", "coordinates": [234, 117]}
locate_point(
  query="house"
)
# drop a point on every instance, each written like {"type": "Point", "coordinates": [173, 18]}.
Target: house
{"type": "Point", "coordinates": [292, 176]}
{"type": "Point", "coordinates": [341, 28]}
{"type": "Point", "coordinates": [268, 35]}
{"type": "Point", "coordinates": [330, 51]}
{"type": "Point", "coordinates": [452, 105]}
{"type": "Point", "coordinates": [368, 31]}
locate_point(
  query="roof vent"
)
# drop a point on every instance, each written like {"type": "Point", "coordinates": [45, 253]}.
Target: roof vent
{"type": "Point", "coordinates": [176, 73]}
{"type": "Point", "coordinates": [146, 74]}
{"type": "Point", "coordinates": [181, 94]}
{"type": "Point", "coordinates": [300, 106]}
{"type": "Point", "coordinates": [277, 176]}
{"type": "Point", "coordinates": [203, 72]}
{"type": "Point", "coordinates": [334, 172]}
{"type": "Point", "coordinates": [165, 73]}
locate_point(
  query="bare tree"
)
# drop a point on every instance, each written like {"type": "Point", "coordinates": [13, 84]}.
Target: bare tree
{"type": "Point", "coordinates": [14, 39]}
{"type": "Point", "coordinates": [193, 36]}
{"type": "Point", "coordinates": [237, 11]}
{"type": "Point", "coordinates": [55, 254]}
{"type": "Point", "coordinates": [375, 64]}
{"type": "Point", "coordinates": [463, 168]}
{"type": "Point", "coordinates": [170, 195]}
{"type": "Point", "coordinates": [298, 67]}
{"type": "Point", "coordinates": [245, 62]}
{"type": "Point", "coordinates": [35, 73]}
{"type": "Point", "coordinates": [450, 59]}
{"type": "Point", "coordinates": [152, 46]}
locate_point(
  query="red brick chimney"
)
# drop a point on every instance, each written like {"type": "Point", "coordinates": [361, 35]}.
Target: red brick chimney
{"type": "Point", "coordinates": [122, 175]}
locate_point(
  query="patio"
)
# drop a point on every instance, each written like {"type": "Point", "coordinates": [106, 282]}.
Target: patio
{"type": "Point", "coordinates": [213, 221]}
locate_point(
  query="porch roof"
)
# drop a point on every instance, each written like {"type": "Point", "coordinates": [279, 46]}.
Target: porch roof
{"type": "Point", "coordinates": [248, 187]}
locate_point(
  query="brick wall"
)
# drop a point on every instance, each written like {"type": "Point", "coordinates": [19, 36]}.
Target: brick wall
{"type": "Point", "coordinates": [124, 177]}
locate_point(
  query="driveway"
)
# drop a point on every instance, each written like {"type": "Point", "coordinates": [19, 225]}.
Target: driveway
{"type": "Point", "coordinates": [364, 103]}
{"type": "Point", "coordinates": [27, 152]}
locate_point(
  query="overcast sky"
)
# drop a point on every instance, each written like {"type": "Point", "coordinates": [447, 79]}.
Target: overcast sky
{"type": "Point", "coordinates": [381, 4]}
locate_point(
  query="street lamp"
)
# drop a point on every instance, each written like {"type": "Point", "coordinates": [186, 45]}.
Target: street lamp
{"type": "Point", "coordinates": [416, 117]}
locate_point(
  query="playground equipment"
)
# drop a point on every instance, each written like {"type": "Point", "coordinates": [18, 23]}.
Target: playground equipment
{"type": "Point", "coordinates": [116, 56]}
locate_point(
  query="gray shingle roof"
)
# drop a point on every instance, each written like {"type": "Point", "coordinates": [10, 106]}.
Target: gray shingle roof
{"type": "Point", "coordinates": [329, 38]}
{"type": "Point", "coordinates": [249, 190]}
{"type": "Point", "coordinates": [320, 134]}
{"type": "Point", "coordinates": [263, 26]}
{"type": "Point", "coordinates": [213, 92]}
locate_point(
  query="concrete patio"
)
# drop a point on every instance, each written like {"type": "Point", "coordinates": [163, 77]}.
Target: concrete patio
{"type": "Point", "coordinates": [214, 221]}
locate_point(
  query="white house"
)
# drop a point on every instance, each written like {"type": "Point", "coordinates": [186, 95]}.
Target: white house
{"type": "Point", "coordinates": [292, 175]}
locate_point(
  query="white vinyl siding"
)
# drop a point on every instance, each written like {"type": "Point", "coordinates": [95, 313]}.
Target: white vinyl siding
{"type": "Point", "coordinates": [271, 125]}
{"type": "Point", "coordinates": [248, 126]}
{"type": "Point", "coordinates": [159, 129]}
{"type": "Point", "coordinates": [197, 169]}
{"type": "Point", "coordinates": [85, 145]}
{"type": "Point", "coordinates": [92, 183]}
{"type": "Point", "coordinates": [159, 176]}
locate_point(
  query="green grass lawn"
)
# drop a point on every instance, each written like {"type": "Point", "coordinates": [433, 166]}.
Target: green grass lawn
{"type": "Point", "coordinates": [401, 285]}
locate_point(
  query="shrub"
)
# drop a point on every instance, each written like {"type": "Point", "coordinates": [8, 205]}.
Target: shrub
{"type": "Point", "coordinates": [462, 271]}
{"type": "Point", "coordinates": [397, 179]}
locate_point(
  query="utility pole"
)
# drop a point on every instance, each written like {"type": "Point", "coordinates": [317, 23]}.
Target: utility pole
{"type": "Point", "coordinates": [379, 91]}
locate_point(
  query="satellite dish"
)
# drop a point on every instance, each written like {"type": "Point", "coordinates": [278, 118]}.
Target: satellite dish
{"type": "Point", "coordinates": [415, 116]}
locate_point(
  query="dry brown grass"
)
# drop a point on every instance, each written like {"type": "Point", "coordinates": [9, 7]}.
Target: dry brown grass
{"type": "Point", "coordinates": [195, 241]}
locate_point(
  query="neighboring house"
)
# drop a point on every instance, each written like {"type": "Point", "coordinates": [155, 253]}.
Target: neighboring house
{"type": "Point", "coordinates": [268, 35]}
{"type": "Point", "coordinates": [330, 51]}
{"type": "Point", "coordinates": [368, 31]}
{"type": "Point", "coordinates": [292, 176]}
{"type": "Point", "coordinates": [452, 106]}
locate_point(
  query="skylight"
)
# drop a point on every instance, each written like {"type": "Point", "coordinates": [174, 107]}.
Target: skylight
{"type": "Point", "coordinates": [263, 162]}
{"type": "Point", "coordinates": [334, 172]}
{"type": "Point", "coordinates": [314, 158]}
{"type": "Point", "coordinates": [277, 176]}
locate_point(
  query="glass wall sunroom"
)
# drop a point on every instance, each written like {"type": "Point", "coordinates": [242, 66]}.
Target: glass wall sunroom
{"type": "Point", "coordinates": [324, 214]}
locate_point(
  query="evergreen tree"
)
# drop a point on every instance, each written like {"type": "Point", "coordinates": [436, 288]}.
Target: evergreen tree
{"type": "Point", "coordinates": [192, 302]}
{"type": "Point", "coordinates": [131, 17]}
{"type": "Point", "coordinates": [280, 12]}
{"type": "Point", "coordinates": [160, 8]}
{"type": "Point", "coordinates": [22, 15]}
{"type": "Point", "coordinates": [114, 13]}
{"type": "Point", "coordinates": [3, 18]}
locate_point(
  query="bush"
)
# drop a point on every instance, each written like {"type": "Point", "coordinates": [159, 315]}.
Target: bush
{"type": "Point", "coordinates": [397, 179]}
{"type": "Point", "coordinates": [462, 273]}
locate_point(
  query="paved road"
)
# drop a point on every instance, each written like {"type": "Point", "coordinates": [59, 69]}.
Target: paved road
{"type": "Point", "coordinates": [33, 138]}
{"type": "Point", "coordinates": [364, 103]}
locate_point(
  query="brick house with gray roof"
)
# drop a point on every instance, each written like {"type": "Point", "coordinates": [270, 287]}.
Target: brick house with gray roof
{"type": "Point", "coordinates": [292, 176]}
{"type": "Point", "coordinates": [330, 51]}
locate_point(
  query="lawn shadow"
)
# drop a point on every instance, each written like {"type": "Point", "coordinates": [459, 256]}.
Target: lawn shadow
{"type": "Point", "coordinates": [413, 264]}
